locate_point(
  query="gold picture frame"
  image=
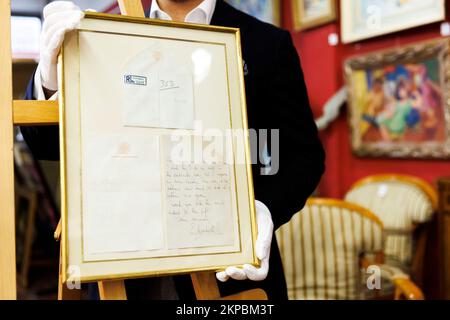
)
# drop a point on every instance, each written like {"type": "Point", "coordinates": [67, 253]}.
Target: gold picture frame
{"type": "Point", "coordinates": [303, 21]}
{"type": "Point", "coordinates": [399, 103]}
{"type": "Point", "coordinates": [366, 19]}
{"type": "Point", "coordinates": [90, 109]}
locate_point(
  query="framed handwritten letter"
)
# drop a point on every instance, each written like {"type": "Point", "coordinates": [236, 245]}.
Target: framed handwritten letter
{"type": "Point", "coordinates": [154, 147]}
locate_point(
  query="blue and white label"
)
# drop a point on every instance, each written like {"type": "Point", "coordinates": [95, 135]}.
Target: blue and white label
{"type": "Point", "coordinates": [135, 80]}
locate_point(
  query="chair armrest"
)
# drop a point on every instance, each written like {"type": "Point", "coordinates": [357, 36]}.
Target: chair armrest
{"type": "Point", "coordinates": [404, 287]}
{"type": "Point", "coordinates": [407, 289]}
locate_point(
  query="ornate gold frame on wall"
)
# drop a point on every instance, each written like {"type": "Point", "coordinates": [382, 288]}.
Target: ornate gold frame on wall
{"type": "Point", "coordinates": [63, 145]}
{"type": "Point", "coordinates": [414, 53]}
{"type": "Point", "coordinates": [277, 13]}
{"type": "Point", "coordinates": [299, 12]}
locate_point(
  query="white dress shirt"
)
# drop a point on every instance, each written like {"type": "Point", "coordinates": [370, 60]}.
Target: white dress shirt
{"type": "Point", "coordinates": [202, 14]}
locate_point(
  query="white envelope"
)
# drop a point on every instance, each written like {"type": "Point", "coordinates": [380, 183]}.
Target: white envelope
{"type": "Point", "coordinates": [156, 92]}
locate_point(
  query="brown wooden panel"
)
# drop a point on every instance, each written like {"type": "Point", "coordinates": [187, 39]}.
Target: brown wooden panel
{"type": "Point", "coordinates": [444, 230]}
{"type": "Point", "coordinates": [446, 251]}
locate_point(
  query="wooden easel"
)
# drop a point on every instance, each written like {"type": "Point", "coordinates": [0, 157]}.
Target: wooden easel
{"type": "Point", "coordinates": [27, 113]}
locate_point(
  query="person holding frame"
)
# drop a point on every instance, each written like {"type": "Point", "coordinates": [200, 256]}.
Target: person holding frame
{"type": "Point", "coordinates": [277, 101]}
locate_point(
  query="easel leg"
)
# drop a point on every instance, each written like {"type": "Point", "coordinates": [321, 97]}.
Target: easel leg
{"type": "Point", "coordinates": [112, 290]}
{"type": "Point", "coordinates": [8, 288]}
{"type": "Point", "coordinates": [63, 292]}
{"type": "Point", "coordinates": [205, 286]}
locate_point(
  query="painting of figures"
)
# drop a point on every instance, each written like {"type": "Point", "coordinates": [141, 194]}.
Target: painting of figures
{"type": "Point", "coordinates": [400, 108]}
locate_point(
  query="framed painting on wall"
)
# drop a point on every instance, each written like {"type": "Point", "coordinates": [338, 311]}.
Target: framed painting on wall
{"type": "Point", "coordinates": [365, 19]}
{"type": "Point", "coordinates": [399, 103]}
{"type": "Point", "coordinates": [313, 13]}
{"type": "Point", "coordinates": [265, 10]}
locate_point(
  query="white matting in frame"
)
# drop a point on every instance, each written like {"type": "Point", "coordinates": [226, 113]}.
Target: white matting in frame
{"type": "Point", "coordinates": [130, 88]}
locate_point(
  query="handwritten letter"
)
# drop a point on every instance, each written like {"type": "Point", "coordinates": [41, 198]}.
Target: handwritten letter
{"type": "Point", "coordinates": [199, 209]}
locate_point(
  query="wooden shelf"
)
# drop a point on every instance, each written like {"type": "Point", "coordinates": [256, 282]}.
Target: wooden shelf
{"type": "Point", "coordinates": [24, 61]}
{"type": "Point", "coordinates": [32, 112]}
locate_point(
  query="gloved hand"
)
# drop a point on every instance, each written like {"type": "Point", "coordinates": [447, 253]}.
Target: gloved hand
{"type": "Point", "coordinates": [263, 244]}
{"type": "Point", "coordinates": [60, 17]}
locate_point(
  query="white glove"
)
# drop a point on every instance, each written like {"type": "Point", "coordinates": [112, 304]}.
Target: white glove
{"type": "Point", "coordinates": [60, 17]}
{"type": "Point", "coordinates": [263, 244]}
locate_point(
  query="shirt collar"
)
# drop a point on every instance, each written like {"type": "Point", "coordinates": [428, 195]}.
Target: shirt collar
{"type": "Point", "coordinates": [201, 14]}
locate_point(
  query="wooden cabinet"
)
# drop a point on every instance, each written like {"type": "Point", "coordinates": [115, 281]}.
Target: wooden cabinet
{"type": "Point", "coordinates": [444, 230]}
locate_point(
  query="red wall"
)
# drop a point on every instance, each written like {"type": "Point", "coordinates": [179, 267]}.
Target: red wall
{"type": "Point", "coordinates": [322, 65]}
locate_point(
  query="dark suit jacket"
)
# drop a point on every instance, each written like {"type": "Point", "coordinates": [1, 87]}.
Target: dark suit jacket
{"type": "Point", "coordinates": [276, 99]}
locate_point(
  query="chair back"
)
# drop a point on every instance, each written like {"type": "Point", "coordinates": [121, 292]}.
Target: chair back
{"type": "Point", "coordinates": [321, 248]}
{"type": "Point", "coordinates": [401, 202]}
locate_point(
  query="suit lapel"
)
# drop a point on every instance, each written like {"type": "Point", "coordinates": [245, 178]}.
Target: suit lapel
{"type": "Point", "coordinates": [219, 15]}
{"type": "Point", "coordinates": [227, 16]}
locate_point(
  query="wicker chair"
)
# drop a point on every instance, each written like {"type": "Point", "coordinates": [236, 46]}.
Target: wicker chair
{"type": "Point", "coordinates": [403, 203]}
{"type": "Point", "coordinates": [323, 249]}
